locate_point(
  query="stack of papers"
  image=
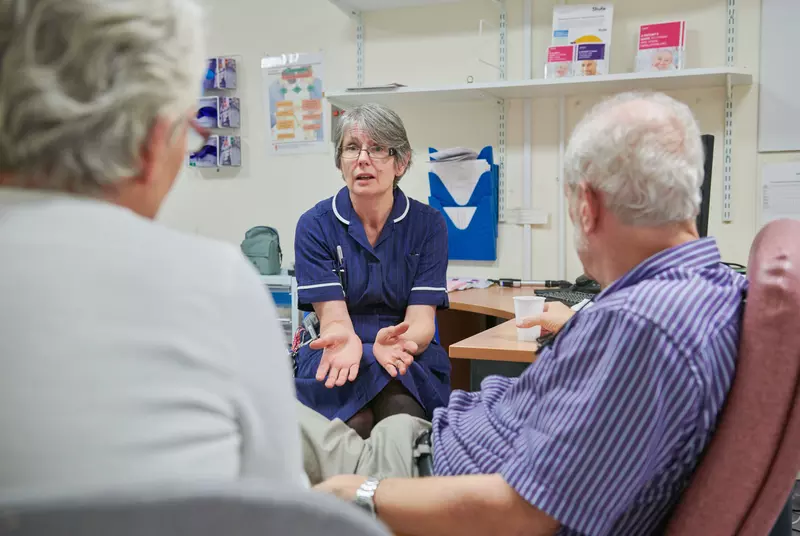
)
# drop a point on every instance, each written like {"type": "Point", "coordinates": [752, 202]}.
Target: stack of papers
{"type": "Point", "coordinates": [454, 284]}
{"type": "Point", "coordinates": [385, 87]}
{"type": "Point", "coordinates": [455, 154]}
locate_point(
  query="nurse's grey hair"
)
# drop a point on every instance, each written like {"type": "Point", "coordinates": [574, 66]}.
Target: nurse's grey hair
{"type": "Point", "coordinates": [83, 81]}
{"type": "Point", "coordinates": [381, 125]}
{"type": "Point", "coordinates": [644, 153]}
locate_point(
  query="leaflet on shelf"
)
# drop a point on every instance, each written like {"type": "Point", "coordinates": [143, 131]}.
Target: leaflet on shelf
{"type": "Point", "coordinates": [661, 46]}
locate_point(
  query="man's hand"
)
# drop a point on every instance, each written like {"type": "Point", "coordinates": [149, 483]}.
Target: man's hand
{"type": "Point", "coordinates": [393, 351]}
{"type": "Point", "coordinates": [341, 355]}
{"type": "Point", "coordinates": [555, 315]}
{"type": "Point", "coordinates": [342, 486]}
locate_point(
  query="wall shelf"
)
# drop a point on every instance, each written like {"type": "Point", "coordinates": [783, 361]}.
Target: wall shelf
{"type": "Point", "coordinates": [355, 6]}
{"type": "Point", "coordinates": [544, 88]}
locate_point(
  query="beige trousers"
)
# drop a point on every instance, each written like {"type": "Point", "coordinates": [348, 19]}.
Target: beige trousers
{"type": "Point", "coordinates": [332, 448]}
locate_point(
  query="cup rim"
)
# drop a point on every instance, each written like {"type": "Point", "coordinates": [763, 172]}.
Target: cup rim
{"type": "Point", "coordinates": [529, 298]}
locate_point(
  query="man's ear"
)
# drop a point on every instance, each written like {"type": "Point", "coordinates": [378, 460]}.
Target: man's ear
{"type": "Point", "coordinates": [589, 207]}
{"type": "Point", "coordinates": [155, 148]}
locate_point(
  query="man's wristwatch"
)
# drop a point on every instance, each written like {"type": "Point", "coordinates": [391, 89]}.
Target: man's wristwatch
{"type": "Point", "coordinates": [365, 495]}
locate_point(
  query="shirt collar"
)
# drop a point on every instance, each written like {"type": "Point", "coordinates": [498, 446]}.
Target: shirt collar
{"type": "Point", "coordinates": [694, 254]}
{"type": "Point", "coordinates": [343, 206]}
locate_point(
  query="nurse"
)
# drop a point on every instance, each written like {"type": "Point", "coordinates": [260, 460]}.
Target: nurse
{"type": "Point", "coordinates": [372, 263]}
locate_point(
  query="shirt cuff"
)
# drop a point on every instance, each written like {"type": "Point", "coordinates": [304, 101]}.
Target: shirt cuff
{"type": "Point", "coordinates": [319, 292]}
{"type": "Point", "coordinates": [423, 295]}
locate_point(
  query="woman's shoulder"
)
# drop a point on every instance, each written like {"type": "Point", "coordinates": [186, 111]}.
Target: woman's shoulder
{"type": "Point", "coordinates": [424, 210]}
{"type": "Point", "coordinates": [318, 211]}
{"type": "Point", "coordinates": [426, 213]}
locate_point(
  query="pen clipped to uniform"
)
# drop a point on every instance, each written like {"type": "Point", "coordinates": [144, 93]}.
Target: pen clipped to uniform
{"type": "Point", "coordinates": [340, 269]}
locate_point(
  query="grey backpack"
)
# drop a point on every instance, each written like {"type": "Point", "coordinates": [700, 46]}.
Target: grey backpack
{"type": "Point", "coordinates": [263, 247]}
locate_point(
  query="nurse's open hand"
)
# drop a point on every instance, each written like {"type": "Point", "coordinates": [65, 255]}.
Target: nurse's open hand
{"type": "Point", "coordinates": [393, 351]}
{"type": "Point", "coordinates": [341, 354]}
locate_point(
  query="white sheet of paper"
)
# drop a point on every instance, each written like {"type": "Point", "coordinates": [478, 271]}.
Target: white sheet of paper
{"type": "Point", "coordinates": [780, 185]}
{"type": "Point", "coordinates": [460, 178]}
{"type": "Point", "coordinates": [461, 216]}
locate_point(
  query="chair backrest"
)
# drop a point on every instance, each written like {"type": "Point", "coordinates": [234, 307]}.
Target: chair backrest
{"type": "Point", "coordinates": [238, 510]}
{"type": "Point", "coordinates": [751, 463]}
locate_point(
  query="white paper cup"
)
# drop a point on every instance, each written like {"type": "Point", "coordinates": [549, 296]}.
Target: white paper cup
{"type": "Point", "coordinates": [525, 306]}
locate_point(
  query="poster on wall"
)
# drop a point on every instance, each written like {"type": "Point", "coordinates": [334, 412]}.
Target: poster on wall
{"type": "Point", "coordinates": [293, 90]}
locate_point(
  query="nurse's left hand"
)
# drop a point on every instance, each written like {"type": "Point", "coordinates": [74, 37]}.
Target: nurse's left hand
{"type": "Point", "coordinates": [393, 351]}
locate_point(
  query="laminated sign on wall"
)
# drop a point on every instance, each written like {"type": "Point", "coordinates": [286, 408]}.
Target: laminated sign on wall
{"type": "Point", "coordinates": [293, 93]}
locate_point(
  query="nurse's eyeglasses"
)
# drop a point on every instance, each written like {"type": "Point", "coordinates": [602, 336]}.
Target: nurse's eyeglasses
{"type": "Point", "coordinates": [375, 152]}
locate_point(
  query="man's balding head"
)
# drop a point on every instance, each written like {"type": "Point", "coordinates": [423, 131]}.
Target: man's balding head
{"type": "Point", "coordinates": [643, 152]}
{"type": "Point", "coordinates": [633, 168]}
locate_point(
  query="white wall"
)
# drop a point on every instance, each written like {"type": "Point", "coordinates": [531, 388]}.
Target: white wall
{"type": "Point", "coordinates": [437, 45]}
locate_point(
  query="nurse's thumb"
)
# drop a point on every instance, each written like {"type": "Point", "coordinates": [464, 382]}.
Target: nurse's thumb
{"type": "Point", "coordinates": [400, 329]}
{"type": "Point", "coordinates": [326, 341]}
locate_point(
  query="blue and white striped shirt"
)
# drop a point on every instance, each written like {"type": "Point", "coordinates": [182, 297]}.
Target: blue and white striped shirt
{"type": "Point", "coordinates": [604, 429]}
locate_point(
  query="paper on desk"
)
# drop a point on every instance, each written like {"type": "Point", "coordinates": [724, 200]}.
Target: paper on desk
{"type": "Point", "coordinates": [460, 178]}
{"type": "Point", "coordinates": [454, 284]}
{"type": "Point", "coordinates": [780, 191]}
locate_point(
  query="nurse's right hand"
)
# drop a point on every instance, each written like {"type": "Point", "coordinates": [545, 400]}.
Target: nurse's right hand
{"type": "Point", "coordinates": [341, 354]}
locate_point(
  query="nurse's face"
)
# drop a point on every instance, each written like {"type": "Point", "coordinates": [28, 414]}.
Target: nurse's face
{"type": "Point", "coordinates": [372, 171]}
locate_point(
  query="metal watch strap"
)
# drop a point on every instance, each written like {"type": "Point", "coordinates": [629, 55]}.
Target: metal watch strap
{"type": "Point", "coordinates": [365, 495]}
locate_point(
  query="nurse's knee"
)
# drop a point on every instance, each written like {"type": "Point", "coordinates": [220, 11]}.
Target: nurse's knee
{"type": "Point", "coordinates": [362, 422]}
{"type": "Point", "coordinates": [396, 400]}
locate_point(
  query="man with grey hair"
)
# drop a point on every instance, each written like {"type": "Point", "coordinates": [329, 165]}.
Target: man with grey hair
{"type": "Point", "coordinates": [131, 354]}
{"type": "Point", "coordinates": [602, 432]}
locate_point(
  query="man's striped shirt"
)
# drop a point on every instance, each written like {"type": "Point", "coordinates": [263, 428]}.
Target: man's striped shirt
{"type": "Point", "coordinates": [604, 429]}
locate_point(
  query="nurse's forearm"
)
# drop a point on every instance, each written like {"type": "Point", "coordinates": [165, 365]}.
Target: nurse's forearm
{"type": "Point", "coordinates": [421, 321]}
{"type": "Point", "coordinates": [421, 335]}
{"type": "Point", "coordinates": [333, 316]}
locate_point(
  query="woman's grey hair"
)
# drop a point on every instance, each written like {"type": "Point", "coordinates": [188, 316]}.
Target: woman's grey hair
{"type": "Point", "coordinates": [83, 81]}
{"type": "Point", "coordinates": [382, 125]}
{"type": "Point", "coordinates": [644, 153]}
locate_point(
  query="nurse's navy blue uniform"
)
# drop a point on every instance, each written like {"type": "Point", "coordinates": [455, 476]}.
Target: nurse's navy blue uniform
{"type": "Point", "coordinates": [407, 266]}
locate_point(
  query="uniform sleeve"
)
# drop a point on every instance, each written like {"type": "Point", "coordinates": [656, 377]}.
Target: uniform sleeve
{"type": "Point", "coordinates": [430, 282]}
{"type": "Point", "coordinates": [314, 265]}
{"type": "Point", "coordinates": [607, 401]}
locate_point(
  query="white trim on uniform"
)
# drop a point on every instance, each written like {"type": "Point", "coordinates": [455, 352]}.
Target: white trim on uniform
{"type": "Point", "coordinates": [336, 212]}
{"type": "Point", "coordinates": [405, 212]}
{"type": "Point", "coordinates": [347, 222]}
{"type": "Point", "coordinates": [321, 285]}
{"type": "Point", "coordinates": [432, 289]}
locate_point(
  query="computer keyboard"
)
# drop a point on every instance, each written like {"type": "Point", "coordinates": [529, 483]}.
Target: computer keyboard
{"type": "Point", "coordinates": [565, 296]}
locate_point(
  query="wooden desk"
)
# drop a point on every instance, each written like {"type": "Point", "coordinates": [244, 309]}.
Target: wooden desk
{"type": "Point", "coordinates": [495, 344]}
{"type": "Point", "coordinates": [492, 301]}
{"type": "Point", "coordinates": [469, 315]}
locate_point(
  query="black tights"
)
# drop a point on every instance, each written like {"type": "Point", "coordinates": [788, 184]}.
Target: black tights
{"type": "Point", "coordinates": [393, 400]}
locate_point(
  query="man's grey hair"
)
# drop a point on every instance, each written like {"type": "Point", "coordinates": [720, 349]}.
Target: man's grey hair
{"type": "Point", "coordinates": [644, 153]}
{"type": "Point", "coordinates": [381, 125]}
{"type": "Point", "coordinates": [83, 81]}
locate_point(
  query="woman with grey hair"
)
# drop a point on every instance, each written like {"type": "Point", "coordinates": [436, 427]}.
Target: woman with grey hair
{"type": "Point", "coordinates": [153, 357]}
{"type": "Point", "coordinates": [372, 263]}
